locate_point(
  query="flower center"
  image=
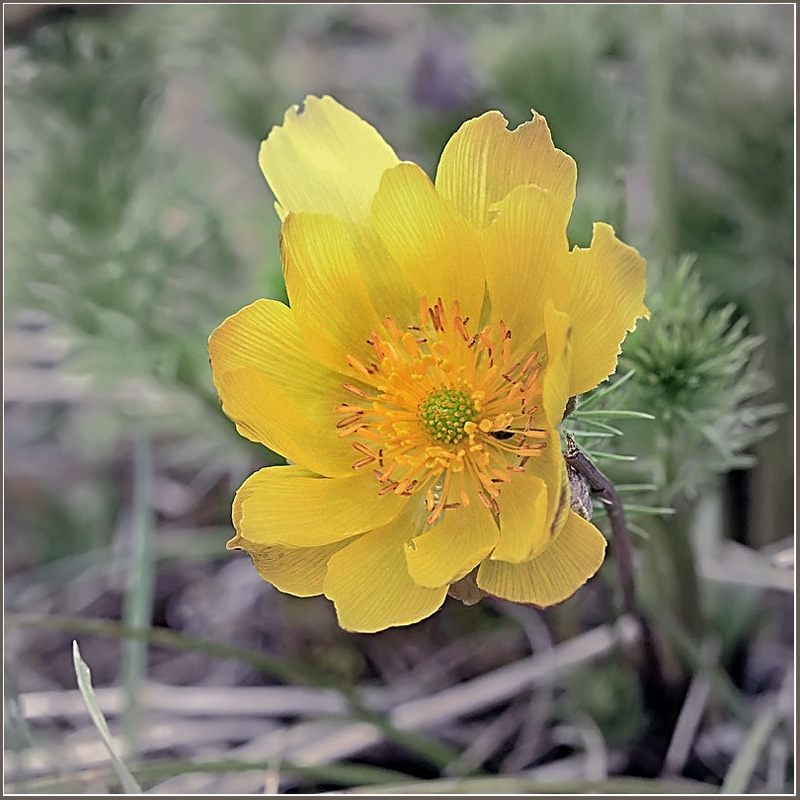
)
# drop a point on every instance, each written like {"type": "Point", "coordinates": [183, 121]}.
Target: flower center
{"type": "Point", "coordinates": [445, 412]}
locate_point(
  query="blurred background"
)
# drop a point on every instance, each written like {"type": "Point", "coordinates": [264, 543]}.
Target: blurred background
{"type": "Point", "coordinates": [136, 220]}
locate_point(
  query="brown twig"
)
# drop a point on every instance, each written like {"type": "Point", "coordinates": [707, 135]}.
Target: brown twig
{"type": "Point", "coordinates": [600, 485]}
{"type": "Point", "coordinates": [650, 667]}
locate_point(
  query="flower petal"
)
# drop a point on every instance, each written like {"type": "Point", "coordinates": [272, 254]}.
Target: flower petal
{"type": "Point", "coordinates": [295, 570]}
{"type": "Point", "coordinates": [428, 240]}
{"type": "Point", "coordinates": [523, 519]}
{"type": "Point", "coordinates": [529, 518]}
{"type": "Point", "coordinates": [264, 415]}
{"type": "Point", "coordinates": [524, 250]}
{"type": "Point", "coordinates": [607, 286]}
{"type": "Point", "coordinates": [484, 161]}
{"type": "Point", "coordinates": [554, 575]}
{"type": "Point", "coordinates": [369, 583]}
{"type": "Point", "coordinates": [324, 159]}
{"type": "Point", "coordinates": [264, 336]}
{"type": "Point", "coordinates": [291, 507]}
{"type": "Point", "coordinates": [556, 388]}
{"type": "Point", "coordinates": [392, 293]}
{"type": "Point", "coordinates": [326, 290]}
{"type": "Point", "coordinates": [275, 392]}
{"type": "Point", "coordinates": [451, 549]}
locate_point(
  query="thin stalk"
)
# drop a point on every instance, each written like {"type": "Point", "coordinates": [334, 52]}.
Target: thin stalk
{"type": "Point", "coordinates": [650, 667]}
{"type": "Point", "coordinates": [677, 547]}
{"type": "Point", "coordinates": [280, 668]}
{"type": "Point", "coordinates": [526, 785]}
{"type": "Point", "coordinates": [138, 606]}
{"type": "Point", "coordinates": [342, 774]}
{"type": "Point", "coordinates": [600, 485]}
{"type": "Point", "coordinates": [434, 752]}
{"type": "Point", "coordinates": [659, 69]}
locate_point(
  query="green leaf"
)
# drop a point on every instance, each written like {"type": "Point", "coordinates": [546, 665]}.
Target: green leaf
{"type": "Point", "coordinates": [651, 510]}
{"type": "Point", "coordinates": [138, 605]}
{"type": "Point", "coordinates": [598, 412]}
{"type": "Point", "coordinates": [341, 774]}
{"type": "Point", "coordinates": [597, 455]}
{"type": "Point", "coordinates": [606, 391]}
{"type": "Point", "coordinates": [743, 766]}
{"type": "Point", "coordinates": [504, 784]}
{"type": "Point", "coordinates": [596, 424]}
{"type": "Point", "coordinates": [84, 676]}
{"type": "Point", "coordinates": [591, 434]}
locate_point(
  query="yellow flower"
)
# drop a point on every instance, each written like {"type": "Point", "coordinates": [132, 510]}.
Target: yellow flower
{"type": "Point", "coordinates": [416, 382]}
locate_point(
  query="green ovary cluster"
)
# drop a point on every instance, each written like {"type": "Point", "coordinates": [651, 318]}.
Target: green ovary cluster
{"type": "Point", "coordinates": [444, 412]}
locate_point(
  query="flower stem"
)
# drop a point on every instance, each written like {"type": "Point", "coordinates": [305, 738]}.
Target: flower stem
{"type": "Point", "coordinates": [650, 668]}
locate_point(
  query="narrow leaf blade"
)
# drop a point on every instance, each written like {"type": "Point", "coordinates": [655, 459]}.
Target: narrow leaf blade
{"type": "Point", "coordinates": [84, 676]}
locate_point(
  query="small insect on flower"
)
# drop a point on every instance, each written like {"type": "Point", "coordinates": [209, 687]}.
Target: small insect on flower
{"type": "Point", "coordinates": [424, 446]}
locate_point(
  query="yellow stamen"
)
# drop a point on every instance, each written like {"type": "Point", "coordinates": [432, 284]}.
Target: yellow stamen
{"type": "Point", "coordinates": [449, 415]}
